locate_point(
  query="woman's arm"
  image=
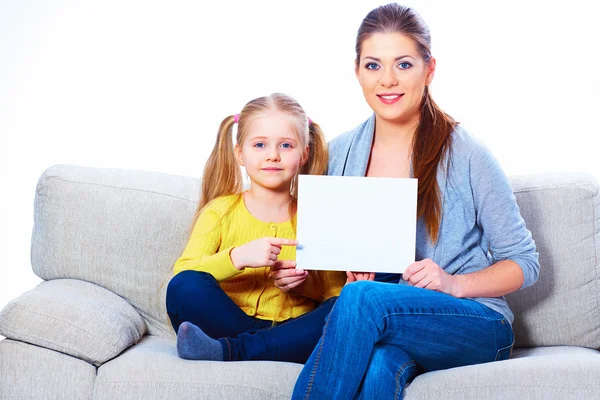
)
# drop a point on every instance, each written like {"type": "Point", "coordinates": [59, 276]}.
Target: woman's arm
{"type": "Point", "coordinates": [512, 247]}
{"type": "Point", "coordinates": [498, 214]}
{"type": "Point", "coordinates": [498, 279]}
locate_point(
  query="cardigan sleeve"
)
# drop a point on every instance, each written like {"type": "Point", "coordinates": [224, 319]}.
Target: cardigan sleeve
{"type": "Point", "coordinates": [497, 213]}
{"type": "Point", "coordinates": [202, 250]}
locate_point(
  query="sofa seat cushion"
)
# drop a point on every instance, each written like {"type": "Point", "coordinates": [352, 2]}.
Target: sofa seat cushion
{"type": "Point", "coordinates": [537, 373]}
{"type": "Point", "coordinates": [32, 372]}
{"type": "Point", "coordinates": [152, 370]}
{"type": "Point", "coordinates": [73, 317]}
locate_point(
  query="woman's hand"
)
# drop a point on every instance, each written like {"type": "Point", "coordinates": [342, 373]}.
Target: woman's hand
{"type": "Point", "coordinates": [427, 274]}
{"type": "Point", "coordinates": [286, 276]}
{"type": "Point", "coordinates": [258, 253]}
{"type": "Point", "coordinates": [359, 276]}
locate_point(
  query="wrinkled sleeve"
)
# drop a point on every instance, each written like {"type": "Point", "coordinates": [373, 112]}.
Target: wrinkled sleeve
{"type": "Point", "coordinates": [498, 215]}
{"type": "Point", "coordinates": [202, 251]}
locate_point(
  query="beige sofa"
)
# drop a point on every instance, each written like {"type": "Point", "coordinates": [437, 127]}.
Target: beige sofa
{"type": "Point", "coordinates": [104, 241]}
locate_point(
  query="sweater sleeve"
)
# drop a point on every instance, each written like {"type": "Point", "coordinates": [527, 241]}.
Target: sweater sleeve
{"type": "Point", "coordinates": [498, 215]}
{"type": "Point", "coordinates": [202, 250]}
{"type": "Point", "coordinates": [324, 285]}
{"type": "Point", "coordinates": [333, 282]}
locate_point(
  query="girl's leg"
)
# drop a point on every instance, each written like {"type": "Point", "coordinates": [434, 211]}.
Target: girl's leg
{"type": "Point", "coordinates": [435, 330]}
{"type": "Point", "coordinates": [291, 341]}
{"type": "Point", "coordinates": [196, 297]}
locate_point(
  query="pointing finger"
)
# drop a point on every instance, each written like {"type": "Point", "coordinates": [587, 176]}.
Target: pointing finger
{"type": "Point", "coordinates": [283, 242]}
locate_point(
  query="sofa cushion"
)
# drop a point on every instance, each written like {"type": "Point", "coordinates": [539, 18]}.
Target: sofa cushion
{"type": "Point", "coordinates": [73, 317]}
{"type": "Point", "coordinates": [32, 372]}
{"type": "Point", "coordinates": [152, 370]}
{"type": "Point", "coordinates": [120, 229]}
{"type": "Point", "coordinates": [563, 307]}
{"type": "Point", "coordinates": [541, 373]}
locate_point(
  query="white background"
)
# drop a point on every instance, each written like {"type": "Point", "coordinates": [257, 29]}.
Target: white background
{"type": "Point", "coordinates": [144, 85]}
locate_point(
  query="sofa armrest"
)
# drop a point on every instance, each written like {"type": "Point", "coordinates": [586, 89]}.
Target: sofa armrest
{"type": "Point", "coordinates": [73, 317]}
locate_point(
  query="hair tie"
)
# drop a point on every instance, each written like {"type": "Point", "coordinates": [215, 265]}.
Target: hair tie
{"type": "Point", "coordinates": [309, 121]}
{"type": "Point", "coordinates": [236, 118]}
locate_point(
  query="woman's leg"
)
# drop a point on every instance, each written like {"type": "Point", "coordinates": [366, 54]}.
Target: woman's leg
{"type": "Point", "coordinates": [435, 330]}
{"type": "Point", "coordinates": [390, 364]}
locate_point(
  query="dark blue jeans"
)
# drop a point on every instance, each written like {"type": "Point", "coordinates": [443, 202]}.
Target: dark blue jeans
{"type": "Point", "coordinates": [379, 336]}
{"type": "Point", "coordinates": [196, 297]}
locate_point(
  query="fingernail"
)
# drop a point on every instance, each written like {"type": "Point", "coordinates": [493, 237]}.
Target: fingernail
{"type": "Point", "coordinates": [300, 271]}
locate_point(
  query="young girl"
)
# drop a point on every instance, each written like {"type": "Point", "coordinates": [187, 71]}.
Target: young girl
{"type": "Point", "coordinates": [236, 280]}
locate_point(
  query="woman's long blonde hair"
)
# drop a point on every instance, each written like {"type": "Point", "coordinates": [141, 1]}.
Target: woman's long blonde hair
{"type": "Point", "coordinates": [222, 175]}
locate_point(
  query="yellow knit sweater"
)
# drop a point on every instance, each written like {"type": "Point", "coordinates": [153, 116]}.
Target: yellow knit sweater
{"type": "Point", "coordinates": [226, 223]}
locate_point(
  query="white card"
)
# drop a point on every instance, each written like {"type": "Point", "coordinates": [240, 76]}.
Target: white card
{"type": "Point", "coordinates": [348, 223]}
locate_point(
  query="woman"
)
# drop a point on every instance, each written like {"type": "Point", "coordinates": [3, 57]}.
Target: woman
{"type": "Point", "coordinates": [472, 243]}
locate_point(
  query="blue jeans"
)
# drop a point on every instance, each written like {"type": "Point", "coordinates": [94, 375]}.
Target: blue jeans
{"type": "Point", "coordinates": [196, 297]}
{"type": "Point", "coordinates": [379, 336]}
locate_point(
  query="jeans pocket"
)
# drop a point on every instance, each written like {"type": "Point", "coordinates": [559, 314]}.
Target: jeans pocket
{"type": "Point", "coordinates": [504, 353]}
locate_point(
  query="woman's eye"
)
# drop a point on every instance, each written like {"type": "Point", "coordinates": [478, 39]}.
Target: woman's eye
{"type": "Point", "coordinates": [372, 66]}
{"type": "Point", "coordinates": [405, 65]}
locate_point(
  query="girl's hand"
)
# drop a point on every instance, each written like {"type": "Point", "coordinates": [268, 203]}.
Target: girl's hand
{"type": "Point", "coordinates": [427, 274]}
{"type": "Point", "coordinates": [286, 277]}
{"type": "Point", "coordinates": [359, 276]}
{"type": "Point", "coordinates": [258, 253]}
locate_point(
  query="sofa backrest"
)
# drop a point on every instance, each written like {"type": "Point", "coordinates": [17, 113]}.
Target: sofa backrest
{"type": "Point", "coordinates": [120, 229]}
{"type": "Point", "coordinates": [562, 211]}
{"type": "Point", "coordinates": [124, 229]}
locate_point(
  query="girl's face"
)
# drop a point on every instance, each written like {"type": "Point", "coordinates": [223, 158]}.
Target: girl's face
{"type": "Point", "coordinates": [272, 152]}
{"type": "Point", "coordinates": [393, 76]}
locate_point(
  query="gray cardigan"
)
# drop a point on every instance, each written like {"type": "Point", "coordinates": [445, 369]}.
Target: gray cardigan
{"type": "Point", "coordinates": [481, 223]}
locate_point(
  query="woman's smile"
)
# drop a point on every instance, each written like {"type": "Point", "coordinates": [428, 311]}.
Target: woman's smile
{"type": "Point", "coordinates": [390, 98]}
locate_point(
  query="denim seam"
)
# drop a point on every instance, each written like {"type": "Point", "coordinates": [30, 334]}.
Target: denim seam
{"type": "Point", "coordinates": [505, 348]}
{"type": "Point", "coordinates": [311, 379]}
{"type": "Point", "coordinates": [381, 310]}
{"type": "Point", "coordinates": [447, 314]}
{"type": "Point", "coordinates": [400, 372]}
{"type": "Point", "coordinates": [229, 349]}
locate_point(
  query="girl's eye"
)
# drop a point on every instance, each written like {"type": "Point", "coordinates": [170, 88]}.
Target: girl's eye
{"type": "Point", "coordinates": [287, 145]}
{"type": "Point", "coordinates": [260, 145]}
{"type": "Point", "coordinates": [372, 66]}
{"type": "Point", "coordinates": [405, 65]}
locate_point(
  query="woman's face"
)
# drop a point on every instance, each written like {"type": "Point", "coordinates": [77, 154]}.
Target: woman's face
{"type": "Point", "coordinates": [393, 76]}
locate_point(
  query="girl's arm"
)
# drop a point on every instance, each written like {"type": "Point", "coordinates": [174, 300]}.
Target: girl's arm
{"type": "Point", "coordinates": [202, 250]}
{"type": "Point", "coordinates": [316, 285]}
{"type": "Point", "coordinates": [322, 285]}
